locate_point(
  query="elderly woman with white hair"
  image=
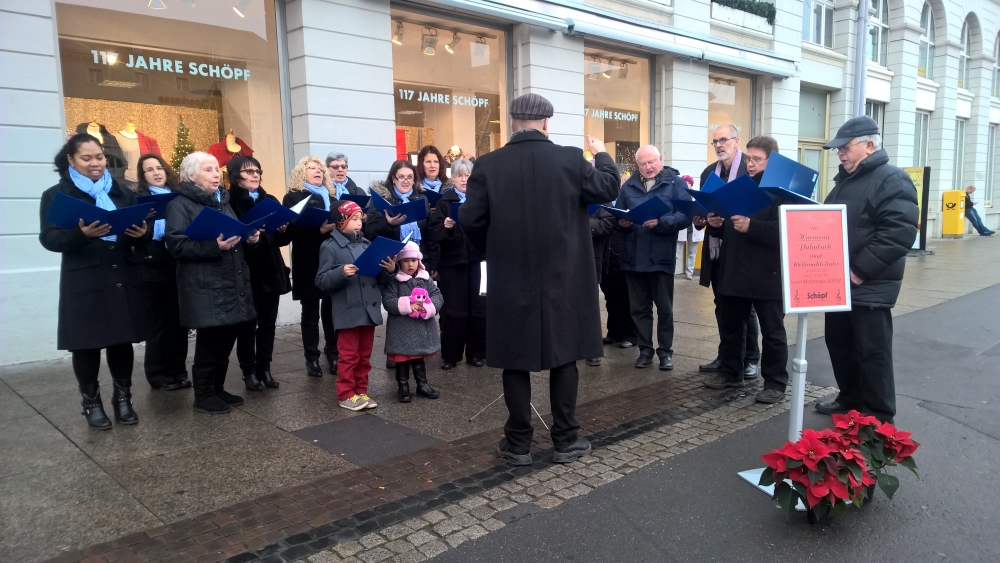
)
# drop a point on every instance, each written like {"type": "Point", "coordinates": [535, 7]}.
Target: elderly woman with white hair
{"type": "Point", "coordinates": [213, 281]}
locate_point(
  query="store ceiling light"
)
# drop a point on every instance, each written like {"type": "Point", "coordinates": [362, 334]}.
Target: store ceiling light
{"type": "Point", "coordinates": [450, 47]}
{"type": "Point", "coordinates": [480, 47]}
{"type": "Point", "coordinates": [607, 71]}
{"type": "Point", "coordinates": [156, 5]}
{"type": "Point", "coordinates": [112, 58]}
{"type": "Point", "coordinates": [241, 7]}
{"type": "Point", "coordinates": [430, 41]}
{"type": "Point", "coordinates": [623, 73]}
{"type": "Point", "coordinates": [593, 68]}
{"type": "Point", "coordinates": [397, 36]}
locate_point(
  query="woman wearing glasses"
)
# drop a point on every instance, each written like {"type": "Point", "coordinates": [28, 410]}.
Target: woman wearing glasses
{"type": "Point", "coordinates": [399, 187]}
{"type": "Point", "coordinates": [336, 166]}
{"type": "Point", "coordinates": [268, 276]}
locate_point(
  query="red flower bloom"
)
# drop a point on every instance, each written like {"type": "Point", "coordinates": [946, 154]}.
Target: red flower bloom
{"type": "Point", "coordinates": [897, 441]}
{"type": "Point", "coordinates": [811, 450]}
{"type": "Point", "coordinates": [832, 439]}
{"type": "Point", "coordinates": [849, 424]}
{"type": "Point", "coordinates": [776, 459]}
{"type": "Point", "coordinates": [826, 485]}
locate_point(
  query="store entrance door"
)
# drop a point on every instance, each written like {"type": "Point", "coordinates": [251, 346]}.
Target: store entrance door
{"type": "Point", "coordinates": [813, 155]}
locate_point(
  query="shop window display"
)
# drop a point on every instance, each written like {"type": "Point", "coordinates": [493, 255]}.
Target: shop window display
{"type": "Point", "coordinates": [190, 76]}
{"type": "Point", "coordinates": [616, 98]}
{"type": "Point", "coordinates": [730, 102]}
{"type": "Point", "coordinates": [450, 86]}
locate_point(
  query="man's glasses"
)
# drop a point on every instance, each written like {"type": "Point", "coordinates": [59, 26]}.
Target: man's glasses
{"type": "Point", "coordinates": [756, 159]}
{"type": "Point", "coordinates": [843, 148]}
{"type": "Point", "coordinates": [338, 166]}
{"type": "Point", "coordinates": [722, 141]}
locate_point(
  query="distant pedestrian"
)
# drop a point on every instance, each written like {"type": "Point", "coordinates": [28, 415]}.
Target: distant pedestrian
{"type": "Point", "coordinates": [691, 237]}
{"type": "Point", "coordinates": [972, 215]}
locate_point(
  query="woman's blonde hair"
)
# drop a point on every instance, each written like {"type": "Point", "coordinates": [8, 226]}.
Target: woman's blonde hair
{"type": "Point", "coordinates": [298, 178]}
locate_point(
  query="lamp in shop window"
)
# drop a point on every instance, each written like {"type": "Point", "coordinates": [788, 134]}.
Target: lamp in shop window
{"type": "Point", "coordinates": [623, 73]}
{"type": "Point", "coordinates": [607, 71]}
{"type": "Point", "coordinates": [430, 41]}
{"type": "Point", "coordinates": [593, 68]}
{"type": "Point", "coordinates": [156, 5]}
{"type": "Point", "coordinates": [397, 36]}
{"type": "Point", "coordinates": [481, 48]}
{"type": "Point", "coordinates": [112, 58]}
{"type": "Point", "coordinates": [241, 7]}
{"type": "Point", "coordinates": [450, 47]}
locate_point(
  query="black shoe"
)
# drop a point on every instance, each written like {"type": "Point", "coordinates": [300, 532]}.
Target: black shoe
{"type": "Point", "coordinates": [229, 398]}
{"type": "Point", "coordinates": [719, 382]}
{"type": "Point", "coordinates": [476, 362]}
{"type": "Point", "coordinates": [594, 362]}
{"type": "Point", "coordinates": [93, 408]}
{"type": "Point", "coordinates": [445, 366]}
{"type": "Point", "coordinates": [644, 361]}
{"type": "Point", "coordinates": [403, 380]}
{"type": "Point", "coordinates": [713, 366]}
{"type": "Point", "coordinates": [626, 344]}
{"type": "Point", "coordinates": [750, 371]}
{"type": "Point", "coordinates": [420, 375]}
{"type": "Point", "coordinates": [608, 340]}
{"type": "Point", "coordinates": [578, 449]}
{"type": "Point", "coordinates": [121, 402]}
{"type": "Point", "coordinates": [313, 369]}
{"type": "Point", "coordinates": [172, 386]}
{"type": "Point", "coordinates": [212, 405]}
{"type": "Point", "coordinates": [264, 375]}
{"type": "Point", "coordinates": [183, 382]}
{"type": "Point", "coordinates": [390, 364]}
{"type": "Point", "coordinates": [833, 407]}
{"type": "Point", "coordinates": [332, 360]}
{"type": "Point", "coordinates": [667, 362]}
{"type": "Point", "coordinates": [769, 396]}
{"type": "Point", "coordinates": [503, 450]}
{"type": "Point", "coordinates": [205, 398]}
{"type": "Point", "coordinates": [251, 382]}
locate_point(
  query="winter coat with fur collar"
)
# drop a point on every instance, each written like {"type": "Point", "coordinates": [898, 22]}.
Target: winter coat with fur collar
{"type": "Point", "coordinates": [405, 334]}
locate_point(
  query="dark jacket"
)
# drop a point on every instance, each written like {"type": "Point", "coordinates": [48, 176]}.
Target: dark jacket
{"type": "Point", "coordinates": [882, 220]}
{"type": "Point", "coordinates": [429, 247]}
{"type": "Point", "coordinates": [357, 300]}
{"type": "Point", "coordinates": [707, 265]}
{"type": "Point", "coordinates": [749, 264]}
{"type": "Point", "coordinates": [305, 248]}
{"type": "Point", "coordinates": [101, 298]}
{"type": "Point", "coordinates": [378, 226]}
{"type": "Point", "coordinates": [268, 272]}
{"type": "Point", "coordinates": [458, 265]}
{"type": "Point", "coordinates": [602, 226]}
{"type": "Point", "coordinates": [213, 286]}
{"type": "Point", "coordinates": [527, 209]}
{"type": "Point", "coordinates": [411, 336]}
{"type": "Point", "coordinates": [158, 265]}
{"type": "Point", "coordinates": [653, 250]}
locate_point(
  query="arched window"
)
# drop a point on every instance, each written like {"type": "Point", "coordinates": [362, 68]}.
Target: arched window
{"type": "Point", "coordinates": [995, 92]}
{"type": "Point", "coordinates": [878, 32]}
{"type": "Point", "coordinates": [963, 58]}
{"type": "Point", "coordinates": [925, 62]}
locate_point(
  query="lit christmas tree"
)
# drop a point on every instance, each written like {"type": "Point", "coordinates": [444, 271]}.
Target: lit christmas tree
{"type": "Point", "coordinates": [182, 147]}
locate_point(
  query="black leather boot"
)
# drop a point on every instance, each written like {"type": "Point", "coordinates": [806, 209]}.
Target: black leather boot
{"type": "Point", "coordinates": [420, 375]}
{"type": "Point", "coordinates": [250, 379]}
{"type": "Point", "coordinates": [205, 399]}
{"type": "Point", "coordinates": [332, 360]}
{"type": "Point", "coordinates": [403, 379]}
{"type": "Point", "coordinates": [121, 402]}
{"type": "Point", "coordinates": [264, 375]}
{"type": "Point", "coordinates": [313, 369]}
{"type": "Point", "coordinates": [220, 386]}
{"type": "Point", "coordinates": [93, 408]}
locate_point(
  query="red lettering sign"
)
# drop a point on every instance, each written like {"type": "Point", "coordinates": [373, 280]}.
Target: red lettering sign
{"type": "Point", "coordinates": [814, 258]}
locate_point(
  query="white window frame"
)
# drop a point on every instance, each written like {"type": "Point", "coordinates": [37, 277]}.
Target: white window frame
{"type": "Point", "coordinates": [809, 9]}
{"type": "Point", "coordinates": [995, 90]}
{"type": "Point", "coordinates": [991, 150]}
{"type": "Point", "coordinates": [921, 129]}
{"type": "Point", "coordinates": [876, 111]}
{"type": "Point", "coordinates": [926, 43]}
{"type": "Point", "coordinates": [964, 59]}
{"type": "Point", "coordinates": [878, 33]}
{"type": "Point", "coordinates": [958, 161]}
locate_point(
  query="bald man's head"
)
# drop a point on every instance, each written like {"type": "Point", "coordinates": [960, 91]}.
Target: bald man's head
{"type": "Point", "coordinates": [649, 161]}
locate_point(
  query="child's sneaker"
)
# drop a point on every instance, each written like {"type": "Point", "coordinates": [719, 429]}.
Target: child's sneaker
{"type": "Point", "coordinates": [355, 403]}
{"type": "Point", "coordinates": [371, 402]}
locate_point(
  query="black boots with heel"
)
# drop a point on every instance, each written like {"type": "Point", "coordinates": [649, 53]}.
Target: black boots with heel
{"type": "Point", "coordinates": [420, 375]}
{"type": "Point", "coordinates": [93, 408]}
{"type": "Point", "coordinates": [121, 403]}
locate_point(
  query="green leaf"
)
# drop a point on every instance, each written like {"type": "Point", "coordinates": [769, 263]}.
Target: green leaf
{"type": "Point", "coordinates": [878, 453]}
{"type": "Point", "coordinates": [889, 484]}
{"type": "Point", "coordinates": [821, 510]}
{"type": "Point", "coordinates": [793, 463]}
{"type": "Point", "coordinates": [787, 498]}
{"type": "Point", "coordinates": [767, 477]}
{"type": "Point", "coordinates": [911, 465]}
{"type": "Point", "coordinates": [800, 489]}
{"type": "Point", "coordinates": [856, 471]}
{"type": "Point", "coordinates": [814, 476]}
{"type": "Point", "coordinates": [838, 508]}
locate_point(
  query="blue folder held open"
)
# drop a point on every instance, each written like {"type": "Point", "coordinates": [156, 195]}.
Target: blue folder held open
{"type": "Point", "coordinates": [453, 210]}
{"type": "Point", "coordinates": [312, 217]}
{"type": "Point", "coordinates": [380, 249]}
{"type": "Point", "coordinates": [159, 202]}
{"type": "Point", "coordinates": [275, 213]}
{"type": "Point", "coordinates": [783, 172]}
{"type": "Point", "coordinates": [652, 208]}
{"type": "Point", "coordinates": [593, 207]}
{"type": "Point", "coordinates": [362, 200]}
{"type": "Point", "coordinates": [712, 183]}
{"type": "Point", "coordinates": [739, 197]}
{"type": "Point", "coordinates": [415, 210]}
{"type": "Point", "coordinates": [790, 197]}
{"type": "Point", "coordinates": [689, 207]}
{"type": "Point", "coordinates": [209, 224]}
{"type": "Point", "coordinates": [433, 197]}
{"type": "Point", "coordinates": [66, 211]}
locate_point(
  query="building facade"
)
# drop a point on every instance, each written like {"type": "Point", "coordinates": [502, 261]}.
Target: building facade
{"type": "Point", "coordinates": [378, 79]}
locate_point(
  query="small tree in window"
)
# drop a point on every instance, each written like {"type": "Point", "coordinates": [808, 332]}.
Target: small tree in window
{"type": "Point", "coordinates": [182, 147]}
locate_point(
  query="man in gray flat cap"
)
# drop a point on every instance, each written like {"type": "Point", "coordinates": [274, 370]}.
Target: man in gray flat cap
{"type": "Point", "coordinates": [881, 227]}
{"type": "Point", "coordinates": [526, 208]}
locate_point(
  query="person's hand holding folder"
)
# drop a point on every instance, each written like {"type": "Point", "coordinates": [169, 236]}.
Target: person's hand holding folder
{"type": "Point", "coordinates": [394, 219]}
{"type": "Point", "coordinates": [715, 221]}
{"type": "Point", "coordinates": [95, 229]}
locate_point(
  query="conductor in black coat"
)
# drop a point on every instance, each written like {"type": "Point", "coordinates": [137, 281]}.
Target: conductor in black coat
{"type": "Point", "coordinates": [527, 210]}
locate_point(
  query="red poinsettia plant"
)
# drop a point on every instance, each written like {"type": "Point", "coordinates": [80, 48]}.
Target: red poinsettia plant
{"type": "Point", "coordinates": [827, 469]}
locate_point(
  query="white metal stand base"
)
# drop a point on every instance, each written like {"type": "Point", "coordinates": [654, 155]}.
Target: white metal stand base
{"type": "Point", "coordinates": [540, 419]}
{"type": "Point", "coordinates": [752, 476]}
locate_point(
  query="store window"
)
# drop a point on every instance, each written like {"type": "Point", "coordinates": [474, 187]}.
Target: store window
{"type": "Point", "coordinates": [817, 22]}
{"type": "Point", "coordinates": [616, 103]}
{"type": "Point", "coordinates": [958, 172]}
{"type": "Point", "coordinates": [730, 102]}
{"type": "Point", "coordinates": [450, 86]}
{"type": "Point", "coordinates": [146, 76]}
{"type": "Point", "coordinates": [925, 59]}
{"type": "Point", "coordinates": [813, 126]}
{"type": "Point", "coordinates": [878, 32]}
{"type": "Point", "coordinates": [921, 126]}
{"type": "Point", "coordinates": [876, 111]}
{"type": "Point", "coordinates": [964, 57]}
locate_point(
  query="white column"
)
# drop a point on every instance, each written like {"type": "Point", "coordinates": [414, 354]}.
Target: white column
{"type": "Point", "coordinates": [941, 137]}
{"type": "Point", "coordinates": [902, 58]}
{"type": "Point", "coordinates": [681, 117]}
{"type": "Point", "coordinates": [977, 131]}
{"type": "Point", "coordinates": [550, 64]}
{"type": "Point", "coordinates": [780, 113]}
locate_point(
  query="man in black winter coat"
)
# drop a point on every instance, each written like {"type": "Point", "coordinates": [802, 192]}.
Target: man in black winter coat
{"type": "Point", "coordinates": [527, 210]}
{"type": "Point", "coordinates": [881, 227]}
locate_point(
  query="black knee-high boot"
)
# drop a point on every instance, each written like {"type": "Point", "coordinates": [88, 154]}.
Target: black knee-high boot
{"type": "Point", "coordinates": [93, 408]}
{"type": "Point", "coordinates": [420, 375]}
{"type": "Point", "coordinates": [403, 379]}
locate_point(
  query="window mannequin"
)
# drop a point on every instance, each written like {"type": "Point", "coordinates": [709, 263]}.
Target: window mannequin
{"type": "Point", "coordinates": [94, 130]}
{"type": "Point", "coordinates": [129, 131]}
{"type": "Point", "coordinates": [231, 144]}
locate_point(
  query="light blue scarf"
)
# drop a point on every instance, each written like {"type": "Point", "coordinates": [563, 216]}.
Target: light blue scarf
{"type": "Point", "coordinates": [321, 191]}
{"type": "Point", "coordinates": [409, 228]}
{"type": "Point", "coordinates": [253, 195]}
{"type": "Point", "coordinates": [97, 190]}
{"type": "Point", "coordinates": [461, 196]}
{"type": "Point", "coordinates": [160, 225]}
{"type": "Point", "coordinates": [432, 185]}
{"type": "Point", "coordinates": [341, 189]}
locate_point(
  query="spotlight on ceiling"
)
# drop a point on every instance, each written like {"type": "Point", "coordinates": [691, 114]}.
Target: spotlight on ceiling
{"type": "Point", "coordinates": [241, 7]}
{"type": "Point", "coordinates": [623, 73]}
{"type": "Point", "coordinates": [481, 47]}
{"type": "Point", "coordinates": [397, 36]}
{"type": "Point", "coordinates": [156, 5]}
{"type": "Point", "coordinates": [430, 41]}
{"type": "Point", "coordinates": [450, 47]}
{"type": "Point", "coordinates": [607, 71]}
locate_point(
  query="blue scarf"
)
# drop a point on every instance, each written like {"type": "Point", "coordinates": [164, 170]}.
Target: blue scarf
{"type": "Point", "coordinates": [218, 196]}
{"type": "Point", "coordinates": [321, 191]}
{"type": "Point", "coordinates": [253, 195]}
{"type": "Point", "coordinates": [408, 228]}
{"type": "Point", "coordinates": [159, 225]}
{"type": "Point", "coordinates": [97, 190]}
{"type": "Point", "coordinates": [461, 196]}
{"type": "Point", "coordinates": [434, 186]}
{"type": "Point", "coordinates": [341, 189]}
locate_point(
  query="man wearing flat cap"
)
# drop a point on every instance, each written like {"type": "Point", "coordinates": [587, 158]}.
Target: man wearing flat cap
{"type": "Point", "coordinates": [526, 208]}
{"type": "Point", "coordinates": [881, 227]}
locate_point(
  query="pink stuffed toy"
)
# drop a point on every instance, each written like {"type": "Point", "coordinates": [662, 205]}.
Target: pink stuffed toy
{"type": "Point", "coordinates": [422, 299]}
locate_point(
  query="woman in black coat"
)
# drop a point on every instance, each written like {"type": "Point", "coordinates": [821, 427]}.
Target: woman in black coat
{"type": "Point", "coordinates": [167, 347]}
{"type": "Point", "coordinates": [399, 187]}
{"type": "Point", "coordinates": [101, 301]}
{"type": "Point", "coordinates": [268, 275]}
{"type": "Point", "coordinates": [602, 227]}
{"type": "Point", "coordinates": [463, 317]}
{"type": "Point", "coordinates": [213, 281]}
{"type": "Point", "coordinates": [431, 178]}
{"type": "Point", "coordinates": [309, 180]}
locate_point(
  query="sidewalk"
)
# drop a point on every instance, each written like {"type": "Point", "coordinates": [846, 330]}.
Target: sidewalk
{"type": "Point", "coordinates": [290, 462]}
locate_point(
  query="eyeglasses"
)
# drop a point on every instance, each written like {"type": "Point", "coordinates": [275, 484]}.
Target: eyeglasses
{"type": "Point", "coordinates": [253, 171]}
{"type": "Point", "coordinates": [338, 166]}
{"type": "Point", "coordinates": [756, 159]}
{"type": "Point", "coordinates": [722, 141]}
{"type": "Point", "coordinates": [404, 178]}
{"type": "Point", "coordinates": [843, 148]}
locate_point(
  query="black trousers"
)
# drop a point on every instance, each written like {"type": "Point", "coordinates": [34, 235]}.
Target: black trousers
{"type": "Point", "coordinates": [751, 331]}
{"type": "Point", "coordinates": [255, 345]}
{"type": "Point", "coordinates": [462, 335]}
{"type": "Point", "coordinates": [860, 345]}
{"type": "Point", "coordinates": [87, 364]}
{"type": "Point", "coordinates": [644, 290]}
{"type": "Point", "coordinates": [166, 350]}
{"type": "Point", "coordinates": [615, 289]}
{"type": "Point", "coordinates": [732, 313]}
{"type": "Point", "coordinates": [563, 381]}
{"type": "Point", "coordinates": [211, 355]}
{"type": "Point", "coordinates": [312, 311]}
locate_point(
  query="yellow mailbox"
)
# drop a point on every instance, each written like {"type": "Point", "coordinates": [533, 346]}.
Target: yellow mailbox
{"type": "Point", "coordinates": [953, 213]}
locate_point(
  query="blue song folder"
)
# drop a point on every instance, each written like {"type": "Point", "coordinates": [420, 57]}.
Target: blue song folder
{"type": "Point", "coordinates": [739, 197]}
{"type": "Point", "coordinates": [380, 249]}
{"type": "Point", "coordinates": [209, 224]}
{"type": "Point", "coordinates": [415, 210]}
{"type": "Point", "coordinates": [453, 210]}
{"type": "Point", "coordinates": [159, 202]}
{"type": "Point", "coordinates": [593, 207]}
{"type": "Point", "coordinates": [275, 213]}
{"type": "Point", "coordinates": [312, 217]}
{"type": "Point", "coordinates": [783, 172]}
{"type": "Point", "coordinates": [433, 197]}
{"type": "Point", "coordinates": [66, 211]}
{"type": "Point", "coordinates": [712, 183]}
{"type": "Point", "coordinates": [652, 208]}
{"type": "Point", "coordinates": [790, 197]}
{"type": "Point", "coordinates": [361, 200]}
{"type": "Point", "coordinates": [690, 208]}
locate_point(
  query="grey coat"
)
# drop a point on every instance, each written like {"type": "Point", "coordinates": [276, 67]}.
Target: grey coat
{"type": "Point", "coordinates": [356, 299]}
{"type": "Point", "coordinates": [405, 334]}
